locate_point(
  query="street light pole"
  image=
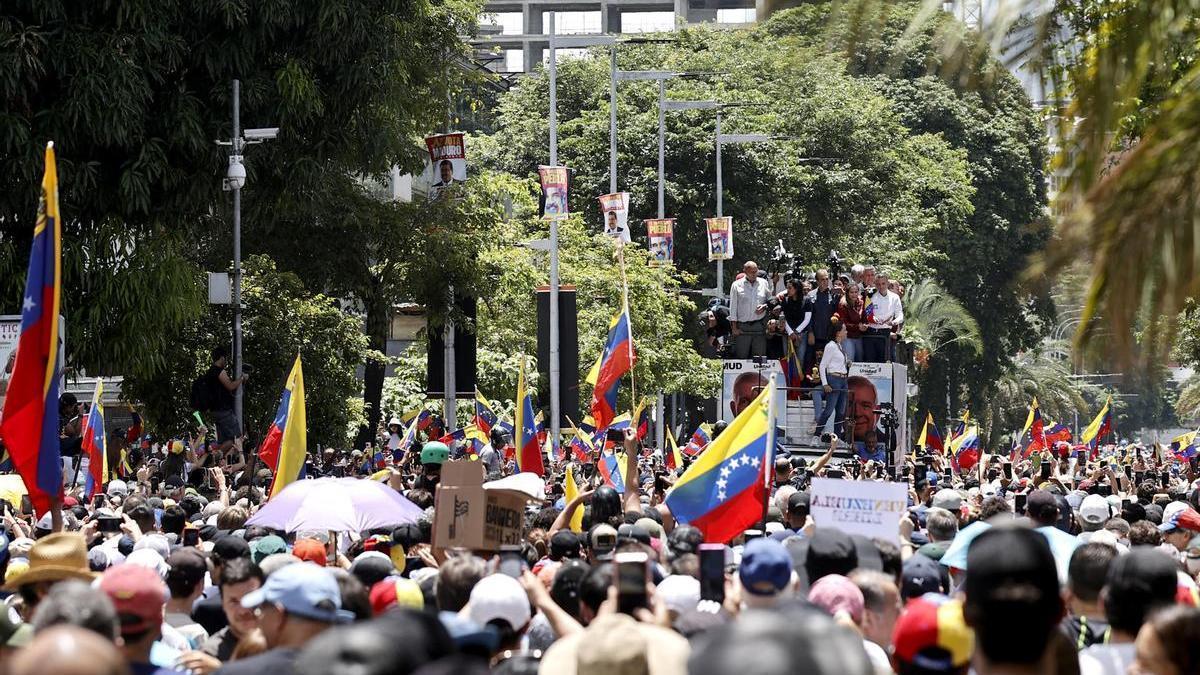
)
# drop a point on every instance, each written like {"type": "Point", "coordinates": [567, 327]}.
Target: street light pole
{"type": "Point", "coordinates": [612, 118]}
{"type": "Point", "coordinates": [720, 209]}
{"type": "Point", "coordinates": [555, 374]}
{"type": "Point", "coordinates": [237, 256]}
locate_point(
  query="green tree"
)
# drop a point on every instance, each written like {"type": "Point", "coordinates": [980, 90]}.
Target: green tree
{"type": "Point", "coordinates": [281, 319]}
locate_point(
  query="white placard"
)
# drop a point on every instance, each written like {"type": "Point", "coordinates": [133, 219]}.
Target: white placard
{"type": "Point", "coordinates": [859, 507]}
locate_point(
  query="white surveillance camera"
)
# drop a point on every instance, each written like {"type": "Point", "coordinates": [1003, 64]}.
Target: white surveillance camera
{"type": "Point", "coordinates": [236, 176]}
{"type": "Point", "coordinates": [264, 134]}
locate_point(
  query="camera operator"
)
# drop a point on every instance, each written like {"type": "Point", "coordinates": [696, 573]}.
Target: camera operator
{"type": "Point", "coordinates": [820, 304]}
{"type": "Point", "coordinates": [882, 322]}
{"type": "Point", "coordinates": [715, 322]}
{"type": "Point", "coordinates": [748, 297]}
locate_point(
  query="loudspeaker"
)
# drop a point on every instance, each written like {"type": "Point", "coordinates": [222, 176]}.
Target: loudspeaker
{"type": "Point", "coordinates": [568, 351]}
{"type": "Point", "coordinates": [464, 356]}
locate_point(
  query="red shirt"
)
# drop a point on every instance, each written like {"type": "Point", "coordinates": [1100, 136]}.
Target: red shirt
{"type": "Point", "coordinates": [852, 317]}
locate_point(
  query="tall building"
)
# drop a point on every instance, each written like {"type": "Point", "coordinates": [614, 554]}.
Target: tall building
{"type": "Point", "coordinates": [513, 33]}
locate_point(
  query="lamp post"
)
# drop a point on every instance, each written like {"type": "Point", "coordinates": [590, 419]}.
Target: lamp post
{"type": "Point", "coordinates": [235, 180]}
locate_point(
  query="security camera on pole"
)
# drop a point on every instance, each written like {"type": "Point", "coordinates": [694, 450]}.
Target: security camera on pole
{"type": "Point", "coordinates": [235, 180]}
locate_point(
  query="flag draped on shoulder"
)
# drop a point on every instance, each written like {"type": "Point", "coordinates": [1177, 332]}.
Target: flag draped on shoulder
{"type": "Point", "coordinates": [1099, 428]}
{"type": "Point", "coordinates": [30, 418]}
{"type": "Point", "coordinates": [529, 453]}
{"type": "Point", "coordinates": [616, 359]}
{"type": "Point", "coordinates": [723, 491]}
{"type": "Point", "coordinates": [95, 444]}
{"type": "Point", "coordinates": [285, 446]}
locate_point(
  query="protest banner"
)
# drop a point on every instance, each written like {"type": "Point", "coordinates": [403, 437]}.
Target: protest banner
{"type": "Point", "coordinates": [875, 386]}
{"type": "Point", "coordinates": [720, 238]}
{"type": "Point", "coordinates": [615, 208]}
{"type": "Point", "coordinates": [554, 191]}
{"type": "Point", "coordinates": [467, 515]}
{"type": "Point", "coordinates": [869, 508]}
{"type": "Point", "coordinates": [447, 162]}
{"type": "Point", "coordinates": [661, 233]}
{"type": "Point", "coordinates": [743, 380]}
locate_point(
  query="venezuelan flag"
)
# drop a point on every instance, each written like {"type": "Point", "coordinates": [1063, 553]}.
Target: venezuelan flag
{"type": "Point", "coordinates": [529, 455]}
{"type": "Point", "coordinates": [724, 490]}
{"type": "Point", "coordinates": [1184, 446]}
{"type": "Point", "coordinates": [966, 452]}
{"type": "Point", "coordinates": [570, 492]}
{"type": "Point", "coordinates": [699, 440]}
{"type": "Point", "coordinates": [930, 436]}
{"type": "Point", "coordinates": [1036, 428]}
{"type": "Point", "coordinates": [868, 311]}
{"type": "Point", "coordinates": [612, 469]}
{"type": "Point", "coordinates": [1058, 432]}
{"type": "Point", "coordinates": [617, 358]}
{"type": "Point", "coordinates": [286, 444]}
{"type": "Point", "coordinates": [673, 458]}
{"type": "Point", "coordinates": [485, 415]}
{"type": "Point", "coordinates": [95, 444]}
{"type": "Point", "coordinates": [30, 420]}
{"type": "Point", "coordinates": [1099, 428]}
{"type": "Point", "coordinates": [642, 417]}
{"type": "Point", "coordinates": [793, 371]}
{"type": "Point", "coordinates": [581, 447]}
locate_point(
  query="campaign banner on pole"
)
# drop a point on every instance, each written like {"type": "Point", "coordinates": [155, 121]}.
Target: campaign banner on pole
{"type": "Point", "coordinates": [447, 162]}
{"type": "Point", "coordinates": [554, 191]}
{"type": "Point", "coordinates": [615, 208]}
{"type": "Point", "coordinates": [869, 508]}
{"type": "Point", "coordinates": [720, 238]}
{"type": "Point", "coordinates": [661, 232]}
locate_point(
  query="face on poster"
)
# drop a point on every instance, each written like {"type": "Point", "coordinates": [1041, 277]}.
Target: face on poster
{"type": "Point", "coordinates": [554, 187]}
{"type": "Point", "coordinates": [615, 208]}
{"type": "Point", "coordinates": [720, 238]}
{"type": "Point", "coordinates": [742, 382]}
{"type": "Point", "coordinates": [871, 384]}
{"type": "Point", "coordinates": [447, 162]}
{"type": "Point", "coordinates": [661, 233]}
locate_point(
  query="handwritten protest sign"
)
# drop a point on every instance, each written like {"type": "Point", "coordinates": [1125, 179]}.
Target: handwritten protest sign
{"type": "Point", "coordinates": [859, 507]}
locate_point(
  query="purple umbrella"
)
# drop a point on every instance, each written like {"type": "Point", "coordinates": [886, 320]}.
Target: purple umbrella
{"type": "Point", "coordinates": [338, 504]}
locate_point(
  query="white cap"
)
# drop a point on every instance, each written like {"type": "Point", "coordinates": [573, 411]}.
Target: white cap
{"type": "Point", "coordinates": [988, 490]}
{"type": "Point", "coordinates": [150, 559]}
{"type": "Point", "coordinates": [948, 499]}
{"type": "Point", "coordinates": [499, 596]}
{"type": "Point", "coordinates": [117, 487]}
{"type": "Point", "coordinates": [679, 592]}
{"type": "Point", "coordinates": [1094, 510]}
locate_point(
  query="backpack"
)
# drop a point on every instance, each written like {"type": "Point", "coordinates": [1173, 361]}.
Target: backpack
{"type": "Point", "coordinates": [201, 398]}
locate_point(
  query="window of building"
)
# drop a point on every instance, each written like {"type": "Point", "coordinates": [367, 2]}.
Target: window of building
{"type": "Point", "coordinates": [647, 22]}
{"type": "Point", "coordinates": [514, 61]}
{"type": "Point", "coordinates": [738, 15]}
{"type": "Point", "coordinates": [572, 23]}
{"type": "Point", "coordinates": [564, 54]}
{"type": "Point", "coordinates": [509, 23]}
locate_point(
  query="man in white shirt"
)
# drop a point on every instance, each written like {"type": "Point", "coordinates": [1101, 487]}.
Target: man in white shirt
{"type": "Point", "coordinates": [885, 316]}
{"type": "Point", "coordinates": [748, 298]}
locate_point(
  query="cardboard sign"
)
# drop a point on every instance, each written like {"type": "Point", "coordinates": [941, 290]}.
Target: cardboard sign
{"type": "Point", "coordinates": [859, 507]}
{"type": "Point", "coordinates": [468, 516]}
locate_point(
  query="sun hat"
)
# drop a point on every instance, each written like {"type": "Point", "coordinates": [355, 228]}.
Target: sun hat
{"type": "Point", "coordinates": [57, 556]}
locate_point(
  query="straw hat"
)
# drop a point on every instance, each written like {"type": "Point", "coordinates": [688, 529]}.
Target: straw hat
{"type": "Point", "coordinates": [55, 557]}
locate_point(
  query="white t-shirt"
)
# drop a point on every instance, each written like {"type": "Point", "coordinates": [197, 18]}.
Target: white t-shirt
{"type": "Point", "coordinates": [879, 658]}
{"type": "Point", "coordinates": [1110, 659]}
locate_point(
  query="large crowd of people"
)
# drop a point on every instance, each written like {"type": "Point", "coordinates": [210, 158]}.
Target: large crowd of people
{"type": "Point", "coordinates": [1044, 564]}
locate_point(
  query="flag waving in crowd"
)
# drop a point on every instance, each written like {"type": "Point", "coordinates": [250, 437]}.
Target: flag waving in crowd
{"type": "Point", "coordinates": [931, 438]}
{"type": "Point", "coordinates": [286, 444]}
{"type": "Point", "coordinates": [616, 359]}
{"type": "Point", "coordinates": [95, 444]}
{"type": "Point", "coordinates": [1035, 427]}
{"type": "Point", "coordinates": [529, 453]}
{"type": "Point", "coordinates": [1099, 428]}
{"type": "Point", "coordinates": [723, 491]}
{"type": "Point", "coordinates": [30, 419]}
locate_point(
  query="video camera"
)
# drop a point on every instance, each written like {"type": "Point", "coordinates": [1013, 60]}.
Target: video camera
{"type": "Point", "coordinates": [835, 264]}
{"type": "Point", "coordinates": [888, 417]}
{"type": "Point", "coordinates": [789, 263]}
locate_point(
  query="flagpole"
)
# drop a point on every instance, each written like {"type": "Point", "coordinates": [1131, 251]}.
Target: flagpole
{"type": "Point", "coordinates": [769, 451]}
{"type": "Point", "coordinates": [625, 310]}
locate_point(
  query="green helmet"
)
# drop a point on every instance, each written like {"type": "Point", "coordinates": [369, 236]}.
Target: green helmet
{"type": "Point", "coordinates": [434, 452]}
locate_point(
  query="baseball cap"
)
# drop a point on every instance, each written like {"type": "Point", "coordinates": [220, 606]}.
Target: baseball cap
{"type": "Point", "coordinates": [679, 592]}
{"type": "Point", "coordinates": [1176, 518]}
{"type": "Point", "coordinates": [835, 593]}
{"type": "Point", "coordinates": [310, 550]}
{"type": "Point", "coordinates": [117, 488]}
{"type": "Point", "coordinates": [187, 567]}
{"type": "Point", "coordinates": [564, 544]}
{"type": "Point", "coordinates": [932, 635]}
{"type": "Point", "coordinates": [266, 546]}
{"type": "Point", "coordinates": [138, 594]}
{"type": "Point", "coordinates": [633, 532]}
{"type": "Point", "coordinates": [499, 597]}
{"type": "Point", "coordinates": [948, 499]}
{"type": "Point", "coordinates": [1094, 510]}
{"type": "Point", "coordinates": [434, 452]}
{"type": "Point", "coordinates": [303, 590]}
{"type": "Point", "coordinates": [1039, 502]}
{"type": "Point", "coordinates": [603, 533]}
{"type": "Point", "coordinates": [830, 551]}
{"type": "Point", "coordinates": [1002, 561]}
{"type": "Point", "coordinates": [372, 567]}
{"type": "Point", "coordinates": [921, 575]}
{"type": "Point", "coordinates": [228, 547]}
{"type": "Point", "coordinates": [766, 567]}
{"type": "Point", "coordinates": [799, 500]}
{"type": "Point", "coordinates": [398, 592]}
{"type": "Point", "coordinates": [651, 526]}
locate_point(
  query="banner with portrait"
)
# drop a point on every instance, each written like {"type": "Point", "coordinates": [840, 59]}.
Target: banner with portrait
{"type": "Point", "coordinates": [743, 380]}
{"type": "Point", "coordinates": [875, 389]}
{"type": "Point", "coordinates": [447, 162]}
{"type": "Point", "coordinates": [661, 233]}
{"type": "Point", "coordinates": [554, 191]}
{"type": "Point", "coordinates": [615, 209]}
{"type": "Point", "coordinates": [720, 238]}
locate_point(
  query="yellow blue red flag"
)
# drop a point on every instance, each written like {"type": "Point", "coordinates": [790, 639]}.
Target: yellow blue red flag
{"type": "Point", "coordinates": [286, 444]}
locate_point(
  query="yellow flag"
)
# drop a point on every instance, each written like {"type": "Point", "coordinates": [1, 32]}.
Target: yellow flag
{"type": "Point", "coordinates": [571, 491]}
{"type": "Point", "coordinates": [293, 447]}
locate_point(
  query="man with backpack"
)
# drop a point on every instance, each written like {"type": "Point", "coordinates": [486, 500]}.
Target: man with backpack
{"type": "Point", "coordinates": [213, 392]}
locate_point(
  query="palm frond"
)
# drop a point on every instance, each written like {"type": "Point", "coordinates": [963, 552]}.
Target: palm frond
{"type": "Point", "coordinates": [934, 319]}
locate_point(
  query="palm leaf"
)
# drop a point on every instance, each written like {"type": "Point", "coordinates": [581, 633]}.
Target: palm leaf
{"type": "Point", "coordinates": [934, 319]}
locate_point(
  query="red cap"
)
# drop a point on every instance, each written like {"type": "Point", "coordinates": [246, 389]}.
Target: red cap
{"type": "Point", "coordinates": [70, 501]}
{"type": "Point", "coordinates": [310, 550]}
{"type": "Point", "coordinates": [395, 591]}
{"type": "Point", "coordinates": [138, 592]}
